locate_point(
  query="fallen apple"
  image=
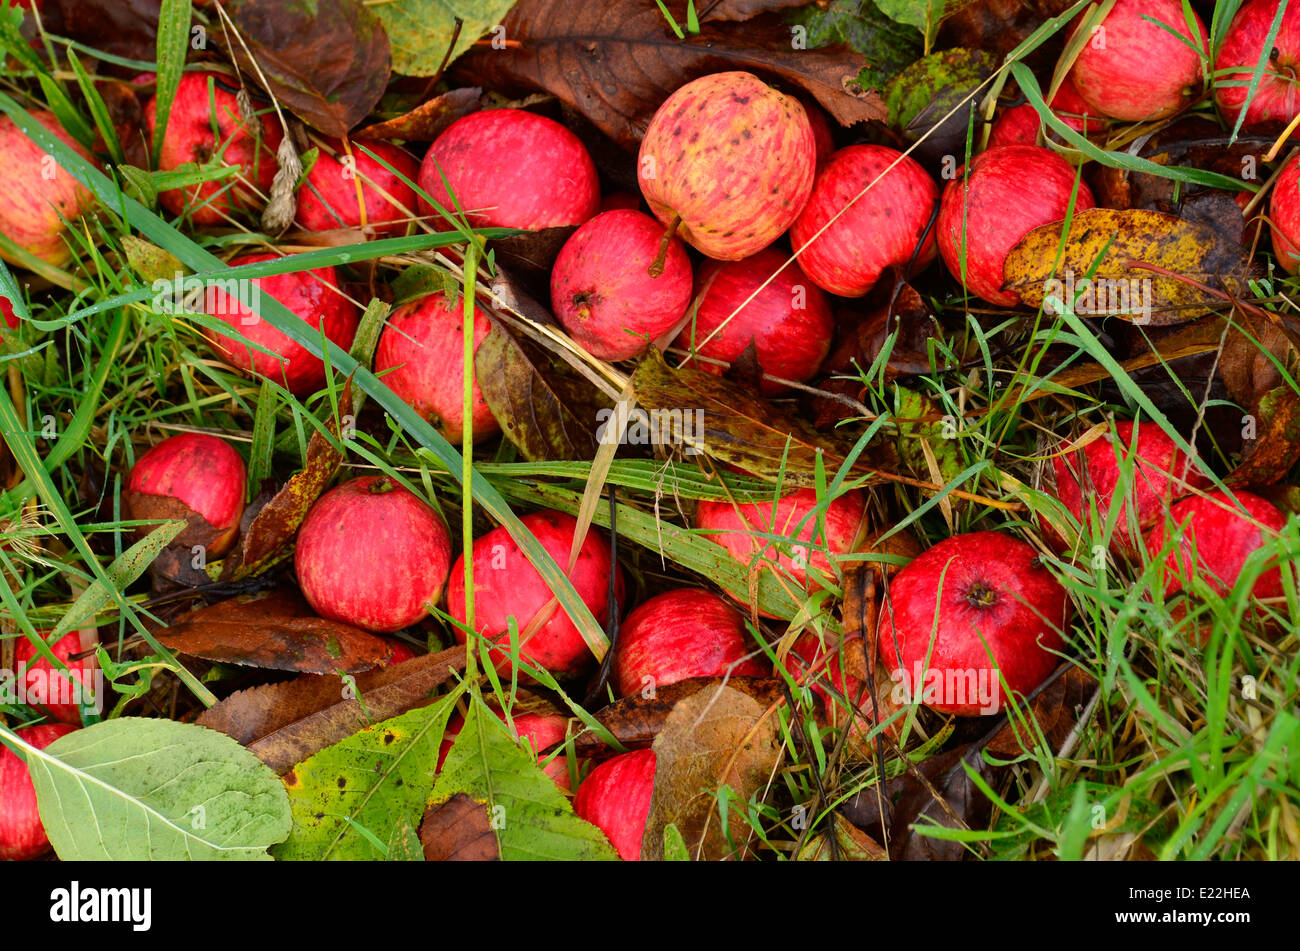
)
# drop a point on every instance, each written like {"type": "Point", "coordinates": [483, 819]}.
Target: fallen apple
{"type": "Point", "coordinates": [1021, 124]}
{"type": "Point", "coordinates": [480, 159]}
{"type": "Point", "coordinates": [1276, 100]}
{"type": "Point", "coordinates": [349, 189]}
{"type": "Point", "coordinates": [601, 290]}
{"type": "Point", "coordinates": [1210, 537]}
{"type": "Point", "coordinates": [1142, 62]}
{"type": "Point", "coordinates": [815, 532]}
{"type": "Point", "coordinates": [615, 797]}
{"type": "Point", "coordinates": [1000, 197]}
{"type": "Point", "coordinates": [22, 835]}
{"type": "Point", "coordinates": [314, 296]}
{"type": "Point", "coordinates": [1140, 459]}
{"type": "Point", "coordinates": [50, 689]}
{"type": "Point", "coordinates": [972, 611]}
{"type": "Point", "coordinates": [199, 133]}
{"type": "Point", "coordinates": [373, 554]}
{"type": "Point", "coordinates": [727, 163]}
{"type": "Point", "coordinates": [203, 472]}
{"type": "Point", "coordinates": [684, 633]}
{"type": "Point", "coordinates": [508, 589]}
{"type": "Point", "coordinates": [41, 196]}
{"type": "Point", "coordinates": [870, 209]}
{"type": "Point", "coordinates": [1284, 215]}
{"type": "Point", "coordinates": [764, 301]}
{"type": "Point", "coordinates": [420, 356]}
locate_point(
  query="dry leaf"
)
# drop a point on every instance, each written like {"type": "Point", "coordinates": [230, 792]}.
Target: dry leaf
{"type": "Point", "coordinates": [715, 736]}
{"type": "Point", "coordinates": [459, 830]}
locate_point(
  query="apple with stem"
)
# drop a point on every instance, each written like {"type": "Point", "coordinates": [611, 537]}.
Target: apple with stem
{"type": "Point", "coordinates": [972, 611]}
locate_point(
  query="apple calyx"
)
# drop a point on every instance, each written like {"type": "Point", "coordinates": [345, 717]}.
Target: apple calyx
{"type": "Point", "coordinates": [981, 594]}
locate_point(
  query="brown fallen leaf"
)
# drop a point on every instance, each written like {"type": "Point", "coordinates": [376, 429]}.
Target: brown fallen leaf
{"type": "Point", "coordinates": [616, 61]}
{"type": "Point", "coordinates": [127, 28]}
{"type": "Point", "coordinates": [426, 121]}
{"type": "Point", "coordinates": [414, 686]}
{"type": "Point", "coordinates": [269, 537]}
{"type": "Point", "coordinates": [459, 830]}
{"type": "Point", "coordinates": [1056, 710]}
{"type": "Point", "coordinates": [327, 62]}
{"type": "Point", "coordinates": [635, 721]}
{"type": "Point", "coordinates": [1275, 448]}
{"type": "Point", "coordinates": [1106, 243]}
{"type": "Point", "coordinates": [529, 256]}
{"type": "Point", "coordinates": [716, 736]}
{"type": "Point", "coordinates": [999, 26]}
{"type": "Point", "coordinates": [268, 631]}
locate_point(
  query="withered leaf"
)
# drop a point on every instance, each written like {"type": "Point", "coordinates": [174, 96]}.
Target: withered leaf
{"type": "Point", "coordinates": [529, 256]}
{"type": "Point", "coordinates": [1250, 348]}
{"type": "Point", "coordinates": [615, 61]}
{"type": "Point", "coordinates": [739, 426]}
{"type": "Point", "coordinates": [1121, 240]}
{"type": "Point", "coordinates": [924, 101]}
{"type": "Point", "coordinates": [1055, 709]}
{"type": "Point", "coordinates": [126, 28]}
{"type": "Point", "coordinates": [710, 10]}
{"type": "Point", "coordinates": [999, 26]}
{"type": "Point", "coordinates": [851, 844]}
{"type": "Point", "coordinates": [715, 736]}
{"type": "Point", "coordinates": [635, 721]}
{"type": "Point", "coordinates": [545, 408]}
{"type": "Point", "coordinates": [327, 61]}
{"type": "Point", "coordinates": [426, 121]}
{"type": "Point", "coordinates": [270, 536]}
{"type": "Point", "coordinates": [414, 685]}
{"type": "Point", "coordinates": [270, 630]}
{"type": "Point", "coordinates": [459, 830]}
{"type": "Point", "coordinates": [1276, 446]}
{"type": "Point", "coordinates": [937, 788]}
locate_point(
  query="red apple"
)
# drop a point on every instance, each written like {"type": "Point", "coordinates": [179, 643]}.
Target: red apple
{"type": "Point", "coordinates": [969, 591]}
{"type": "Point", "coordinates": [38, 192]}
{"type": "Point", "coordinates": [353, 190]}
{"type": "Point", "coordinates": [249, 145]}
{"type": "Point", "coordinates": [868, 211]}
{"type": "Point", "coordinates": [728, 162]}
{"type": "Point", "coordinates": [22, 836]}
{"type": "Point", "coordinates": [46, 686]}
{"type": "Point", "coordinates": [373, 554]}
{"type": "Point", "coordinates": [1019, 125]}
{"type": "Point", "coordinates": [688, 632]}
{"type": "Point", "coordinates": [541, 728]}
{"type": "Point", "coordinates": [1284, 215]}
{"type": "Point", "coordinates": [602, 293]}
{"type": "Point", "coordinates": [1213, 538]}
{"type": "Point", "coordinates": [1133, 68]}
{"type": "Point", "coordinates": [1000, 197]}
{"type": "Point", "coordinates": [511, 169]}
{"type": "Point", "coordinates": [1277, 100]}
{"type": "Point", "coordinates": [314, 296]}
{"type": "Point", "coordinates": [7, 312]}
{"type": "Point", "coordinates": [740, 528]}
{"type": "Point", "coordinates": [202, 471]}
{"type": "Point", "coordinates": [507, 586]}
{"type": "Point", "coordinates": [789, 321]}
{"type": "Point", "coordinates": [423, 347]}
{"type": "Point", "coordinates": [615, 796]}
{"type": "Point", "coordinates": [823, 139]}
{"type": "Point", "coordinates": [1088, 478]}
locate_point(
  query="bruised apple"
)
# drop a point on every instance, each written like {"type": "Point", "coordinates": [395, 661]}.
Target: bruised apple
{"type": "Point", "coordinates": [727, 163]}
{"type": "Point", "coordinates": [201, 471]}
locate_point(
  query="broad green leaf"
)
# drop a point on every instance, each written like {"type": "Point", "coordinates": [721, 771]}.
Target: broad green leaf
{"type": "Point", "coordinates": [674, 845]}
{"type": "Point", "coordinates": [365, 783]}
{"type": "Point", "coordinates": [421, 31]}
{"type": "Point", "coordinates": [136, 789]}
{"type": "Point", "coordinates": [126, 567]}
{"type": "Point", "coordinates": [531, 817]}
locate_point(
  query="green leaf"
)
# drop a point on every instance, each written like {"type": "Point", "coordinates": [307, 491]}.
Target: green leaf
{"type": "Point", "coordinates": [404, 842]}
{"type": "Point", "coordinates": [136, 789]}
{"type": "Point", "coordinates": [364, 784]}
{"type": "Point", "coordinates": [173, 44]}
{"type": "Point", "coordinates": [674, 845]}
{"type": "Point", "coordinates": [128, 566]}
{"type": "Point", "coordinates": [531, 817]}
{"type": "Point", "coordinates": [925, 15]}
{"type": "Point", "coordinates": [420, 31]}
{"type": "Point", "coordinates": [912, 406]}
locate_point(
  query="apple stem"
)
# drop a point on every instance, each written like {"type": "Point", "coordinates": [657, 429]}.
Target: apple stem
{"type": "Point", "coordinates": [657, 265]}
